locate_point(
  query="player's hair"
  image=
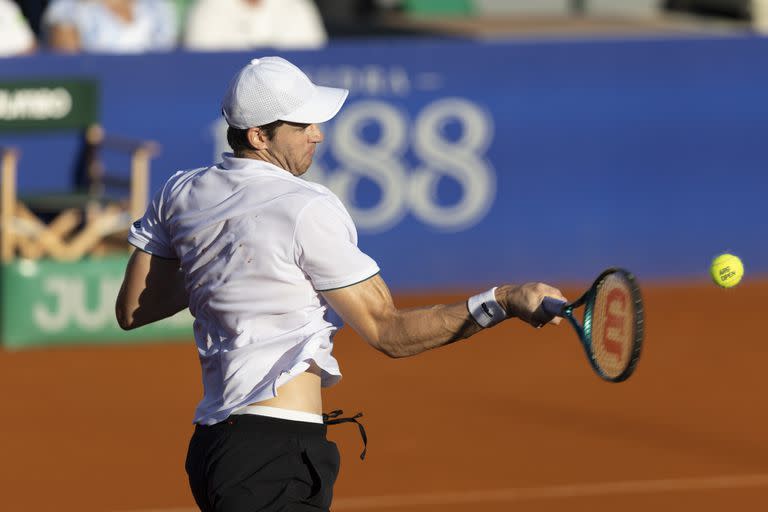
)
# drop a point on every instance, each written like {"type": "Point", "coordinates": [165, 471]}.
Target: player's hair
{"type": "Point", "coordinates": [237, 138]}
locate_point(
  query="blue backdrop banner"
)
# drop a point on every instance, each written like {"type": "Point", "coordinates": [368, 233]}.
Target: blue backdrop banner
{"type": "Point", "coordinates": [471, 163]}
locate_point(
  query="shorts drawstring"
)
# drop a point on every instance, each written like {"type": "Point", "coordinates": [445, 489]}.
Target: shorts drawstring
{"type": "Point", "coordinates": [332, 418]}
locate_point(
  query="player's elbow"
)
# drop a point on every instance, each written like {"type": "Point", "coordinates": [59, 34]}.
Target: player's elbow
{"type": "Point", "coordinates": [390, 346]}
{"type": "Point", "coordinates": [125, 322]}
{"type": "Point", "coordinates": [125, 317]}
{"type": "Point", "coordinates": [391, 350]}
{"type": "Point", "coordinates": [382, 335]}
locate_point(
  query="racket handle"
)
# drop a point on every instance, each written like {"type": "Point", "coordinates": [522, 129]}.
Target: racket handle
{"type": "Point", "coordinates": [553, 306]}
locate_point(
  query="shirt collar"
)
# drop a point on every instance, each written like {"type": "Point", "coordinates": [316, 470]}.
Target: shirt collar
{"type": "Point", "coordinates": [232, 163]}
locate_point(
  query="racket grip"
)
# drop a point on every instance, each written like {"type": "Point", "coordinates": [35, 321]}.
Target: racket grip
{"type": "Point", "coordinates": [553, 306]}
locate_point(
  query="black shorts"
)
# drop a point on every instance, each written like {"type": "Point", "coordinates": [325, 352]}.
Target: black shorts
{"type": "Point", "coordinates": [256, 463]}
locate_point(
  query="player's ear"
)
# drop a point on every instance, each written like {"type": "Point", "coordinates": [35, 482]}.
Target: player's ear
{"type": "Point", "coordinates": [257, 138]}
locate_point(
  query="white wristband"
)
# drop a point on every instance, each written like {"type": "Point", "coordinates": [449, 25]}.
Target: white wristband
{"type": "Point", "coordinates": [484, 308]}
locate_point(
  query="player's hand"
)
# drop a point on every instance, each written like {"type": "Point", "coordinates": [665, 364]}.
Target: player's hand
{"type": "Point", "coordinates": [524, 302]}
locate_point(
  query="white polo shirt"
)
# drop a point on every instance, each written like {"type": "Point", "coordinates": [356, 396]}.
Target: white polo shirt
{"type": "Point", "coordinates": [16, 37]}
{"type": "Point", "coordinates": [256, 244]}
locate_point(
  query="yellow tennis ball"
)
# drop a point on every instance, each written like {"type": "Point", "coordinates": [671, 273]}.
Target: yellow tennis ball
{"type": "Point", "coordinates": [726, 270]}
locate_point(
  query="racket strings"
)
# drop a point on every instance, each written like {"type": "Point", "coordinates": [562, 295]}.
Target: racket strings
{"type": "Point", "coordinates": [613, 325]}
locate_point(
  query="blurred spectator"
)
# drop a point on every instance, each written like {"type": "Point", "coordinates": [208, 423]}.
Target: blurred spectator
{"type": "Point", "coordinates": [33, 11]}
{"type": "Point", "coordinates": [760, 16]}
{"type": "Point", "coordinates": [737, 9]}
{"type": "Point", "coordinates": [243, 24]}
{"type": "Point", "coordinates": [111, 26]}
{"type": "Point", "coordinates": [182, 6]}
{"type": "Point", "coordinates": [16, 38]}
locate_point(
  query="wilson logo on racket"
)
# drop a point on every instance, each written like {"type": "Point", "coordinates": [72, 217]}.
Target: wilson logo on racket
{"type": "Point", "coordinates": [615, 316]}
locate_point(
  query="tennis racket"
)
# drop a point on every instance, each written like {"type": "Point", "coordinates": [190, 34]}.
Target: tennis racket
{"type": "Point", "coordinates": [611, 331]}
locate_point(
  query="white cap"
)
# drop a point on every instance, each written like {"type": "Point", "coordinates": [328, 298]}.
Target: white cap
{"type": "Point", "coordinates": [271, 89]}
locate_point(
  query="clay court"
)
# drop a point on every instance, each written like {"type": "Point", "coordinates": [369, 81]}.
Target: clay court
{"type": "Point", "coordinates": [510, 420]}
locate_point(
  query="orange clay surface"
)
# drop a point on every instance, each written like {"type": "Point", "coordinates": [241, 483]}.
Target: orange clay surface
{"type": "Point", "coordinates": [512, 419]}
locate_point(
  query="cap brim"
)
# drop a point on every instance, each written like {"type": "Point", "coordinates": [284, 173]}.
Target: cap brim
{"type": "Point", "coordinates": [325, 104]}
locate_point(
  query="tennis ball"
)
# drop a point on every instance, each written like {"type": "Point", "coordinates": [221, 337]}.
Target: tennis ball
{"type": "Point", "coordinates": [726, 270]}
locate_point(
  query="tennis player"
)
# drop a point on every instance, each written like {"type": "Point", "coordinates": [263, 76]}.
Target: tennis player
{"type": "Point", "coordinates": [262, 259]}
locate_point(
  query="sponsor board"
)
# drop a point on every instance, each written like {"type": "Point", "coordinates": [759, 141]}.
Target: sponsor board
{"type": "Point", "coordinates": [51, 303]}
{"type": "Point", "coordinates": [48, 104]}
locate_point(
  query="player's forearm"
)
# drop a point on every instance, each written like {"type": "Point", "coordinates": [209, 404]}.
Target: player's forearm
{"type": "Point", "coordinates": [412, 331]}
